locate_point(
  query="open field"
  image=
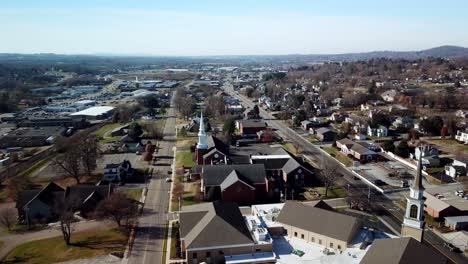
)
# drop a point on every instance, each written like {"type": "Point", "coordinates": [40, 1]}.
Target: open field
{"type": "Point", "coordinates": [84, 245]}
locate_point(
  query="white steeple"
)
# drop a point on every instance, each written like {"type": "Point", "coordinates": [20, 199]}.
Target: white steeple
{"type": "Point", "coordinates": [201, 134]}
{"type": "Point", "coordinates": [413, 222]}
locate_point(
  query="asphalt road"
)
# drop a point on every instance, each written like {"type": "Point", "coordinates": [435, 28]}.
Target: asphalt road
{"type": "Point", "coordinates": [381, 205]}
{"type": "Point", "coordinates": [149, 241]}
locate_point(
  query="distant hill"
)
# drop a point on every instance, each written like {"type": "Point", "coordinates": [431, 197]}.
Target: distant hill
{"type": "Point", "coordinates": [439, 52]}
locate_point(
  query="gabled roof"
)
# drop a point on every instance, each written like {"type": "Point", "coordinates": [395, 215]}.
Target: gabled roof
{"type": "Point", "coordinates": [405, 250]}
{"type": "Point", "coordinates": [320, 221]}
{"type": "Point", "coordinates": [323, 130]}
{"type": "Point", "coordinates": [214, 175]}
{"type": "Point", "coordinates": [47, 195]}
{"type": "Point", "coordinates": [232, 178]}
{"type": "Point", "coordinates": [213, 224]}
{"type": "Point", "coordinates": [362, 150]}
{"type": "Point", "coordinates": [83, 192]}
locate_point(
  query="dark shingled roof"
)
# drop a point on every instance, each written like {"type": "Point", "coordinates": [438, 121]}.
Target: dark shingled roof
{"type": "Point", "coordinates": [216, 174]}
{"type": "Point", "coordinates": [82, 192]}
{"type": "Point", "coordinates": [320, 221]}
{"type": "Point", "coordinates": [405, 250]}
{"type": "Point", "coordinates": [47, 195]}
{"type": "Point", "coordinates": [232, 178]}
{"type": "Point", "coordinates": [213, 224]}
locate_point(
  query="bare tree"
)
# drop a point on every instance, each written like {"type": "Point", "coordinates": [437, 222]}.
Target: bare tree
{"type": "Point", "coordinates": [65, 209]}
{"type": "Point", "coordinates": [89, 149]}
{"type": "Point", "coordinates": [8, 217]}
{"type": "Point", "coordinates": [120, 208]}
{"type": "Point", "coordinates": [70, 162]}
{"type": "Point", "coordinates": [329, 174]}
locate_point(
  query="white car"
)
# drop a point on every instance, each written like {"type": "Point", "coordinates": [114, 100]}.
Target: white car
{"type": "Point", "coordinates": [168, 179]}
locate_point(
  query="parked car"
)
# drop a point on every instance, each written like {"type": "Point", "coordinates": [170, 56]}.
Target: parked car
{"type": "Point", "coordinates": [168, 180]}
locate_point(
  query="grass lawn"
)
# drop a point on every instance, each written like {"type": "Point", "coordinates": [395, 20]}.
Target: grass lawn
{"type": "Point", "coordinates": [84, 245]}
{"type": "Point", "coordinates": [450, 143]}
{"type": "Point", "coordinates": [186, 141]}
{"type": "Point", "coordinates": [290, 147]}
{"type": "Point", "coordinates": [135, 193]}
{"type": "Point", "coordinates": [435, 170]}
{"type": "Point", "coordinates": [107, 128]}
{"type": "Point", "coordinates": [312, 139]}
{"type": "Point", "coordinates": [184, 158]}
{"type": "Point", "coordinates": [189, 195]}
{"type": "Point", "coordinates": [34, 168]}
{"type": "Point", "coordinates": [334, 192]}
{"type": "Point", "coordinates": [339, 156]}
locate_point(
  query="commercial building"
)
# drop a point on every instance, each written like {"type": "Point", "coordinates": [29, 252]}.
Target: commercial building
{"type": "Point", "coordinates": [218, 233]}
{"type": "Point", "coordinates": [323, 227]}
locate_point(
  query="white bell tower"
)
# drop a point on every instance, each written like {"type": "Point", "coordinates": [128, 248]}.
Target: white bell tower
{"type": "Point", "coordinates": [413, 223]}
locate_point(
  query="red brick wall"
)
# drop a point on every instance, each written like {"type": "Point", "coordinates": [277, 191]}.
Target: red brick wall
{"type": "Point", "coordinates": [239, 193]}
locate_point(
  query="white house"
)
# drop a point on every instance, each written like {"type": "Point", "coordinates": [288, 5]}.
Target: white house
{"type": "Point", "coordinates": [456, 169]}
{"type": "Point", "coordinates": [462, 136]}
{"type": "Point", "coordinates": [380, 131]}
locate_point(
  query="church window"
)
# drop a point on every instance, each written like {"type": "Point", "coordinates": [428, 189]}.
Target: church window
{"type": "Point", "coordinates": [414, 211]}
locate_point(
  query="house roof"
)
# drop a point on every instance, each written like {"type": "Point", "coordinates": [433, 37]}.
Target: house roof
{"type": "Point", "coordinates": [214, 175]}
{"type": "Point", "coordinates": [232, 178]}
{"type": "Point", "coordinates": [361, 149]}
{"type": "Point", "coordinates": [323, 130]}
{"type": "Point", "coordinates": [253, 123]}
{"type": "Point", "coordinates": [200, 225]}
{"type": "Point", "coordinates": [320, 221]}
{"type": "Point", "coordinates": [401, 251]}
{"type": "Point", "coordinates": [346, 141]}
{"type": "Point", "coordinates": [434, 203]}
{"type": "Point", "coordinates": [47, 195]}
{"type": "Point", "coordinates": [214, 142]}
{"type": "Point", "coordinates": [457, 219]}
{"type": "Point", "coordinates": [83, 192]}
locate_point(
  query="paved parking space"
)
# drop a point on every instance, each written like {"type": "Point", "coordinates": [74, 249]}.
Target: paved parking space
{"type": "Point", "coordinates": [136, 160]}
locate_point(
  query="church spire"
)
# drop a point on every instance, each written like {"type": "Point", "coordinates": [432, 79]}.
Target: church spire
{"type": "Point", "coordinates": [201, 134]}
{"type": "Point", "coordinates": [413, 222]}
{"type": "Point", "coordinates": [417, 184]}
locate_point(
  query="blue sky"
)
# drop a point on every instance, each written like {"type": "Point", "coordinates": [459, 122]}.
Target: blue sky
{"type": "Point", "coordinates": [207, 27]}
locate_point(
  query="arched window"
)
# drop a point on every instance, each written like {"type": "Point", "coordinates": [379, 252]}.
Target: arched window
{"type": "Point", "coordinates": [413, 211]}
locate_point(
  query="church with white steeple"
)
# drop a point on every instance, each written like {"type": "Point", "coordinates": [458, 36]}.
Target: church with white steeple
{"type": "Point", "coordinates": [209, 150]}
{"type": "Point", "coordinates": [413, 223]}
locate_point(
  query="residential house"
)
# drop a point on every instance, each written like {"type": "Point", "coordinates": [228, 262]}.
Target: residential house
{"type": "Point", "coordinates": [39, 205]}
{"type": "Point", "coordinates": [404, 122]}
{"type": "Point", "coordinates": [401, 250]}
{"type": "Point", "coordinates": [389, 96]}
{"type": "Point", "coordinates": [456, 169]}
{"type": "Point", "coordinates": [462, 136]}
{"type": "Point", "coordinates": [306, 125]}
{"type": "Point", "coordinates": [314, 225]}
{"type": "Point", "coordinates": [250, 127]}
{"type": "Point", "coordinates": [88, 197]}
{"type": "Point", "coordinates": [380, 131]}
{"type": "Point", "coordinates": [337, 117]}
{"type": "Point", "coordinates": [325, 134]}
{"type": "Point", "coordinates": [426, 151]}
{"type": "Point", "coordinates": [461, 113]}
{"type": "Point", "coordinates": [359, 150]}
{"type": "Point", "coordinates": [218, 233]}
{"type": "Point", "coordinates": [115, 172]}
